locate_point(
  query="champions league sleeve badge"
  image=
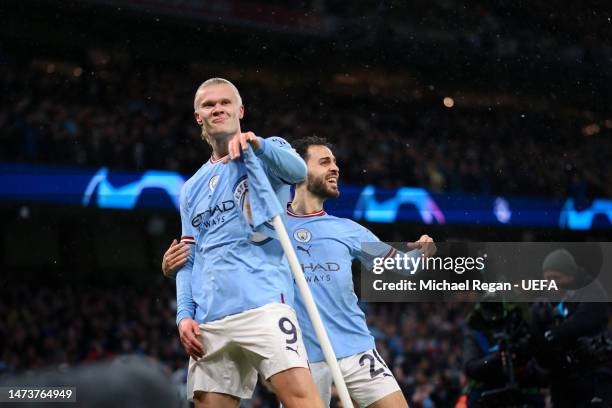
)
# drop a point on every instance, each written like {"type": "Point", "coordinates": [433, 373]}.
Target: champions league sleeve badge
{"type": "Point", "coordinates": [241, 198]}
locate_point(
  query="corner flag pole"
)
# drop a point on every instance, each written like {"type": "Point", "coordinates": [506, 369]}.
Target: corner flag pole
{"type": "Point", "coordinates": [312, 310]}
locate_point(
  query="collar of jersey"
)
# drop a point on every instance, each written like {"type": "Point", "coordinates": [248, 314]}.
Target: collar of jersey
{"type": "Point", "coordinates": [314, 214]}
{"type": "Point", "coordinates": [213, 161]}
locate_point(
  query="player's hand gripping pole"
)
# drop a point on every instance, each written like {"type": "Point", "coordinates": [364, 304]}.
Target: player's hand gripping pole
{"type": "Point", "coordinates": [313, 312]}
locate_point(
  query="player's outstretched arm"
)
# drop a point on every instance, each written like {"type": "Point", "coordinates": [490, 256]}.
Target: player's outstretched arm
{"type": "Point", "coordinates": [240, 143]}
{"type": "Point", "coordinates": [425, 244]}
{"type": "Point", "coordinates": [276, 153]}
{"type": "Point", "coordinates": [368, 248]}
{"type": "Point", "coordinates": [175, 257]}
{"type": "Point", "coordinates": [282, 160]}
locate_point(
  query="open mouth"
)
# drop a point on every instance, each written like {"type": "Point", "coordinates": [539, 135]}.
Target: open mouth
{"type": "Point", "coordinates": [332, 180]}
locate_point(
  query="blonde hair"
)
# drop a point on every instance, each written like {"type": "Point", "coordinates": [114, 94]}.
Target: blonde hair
{"type": "Point", "coordinates": [217, 81]}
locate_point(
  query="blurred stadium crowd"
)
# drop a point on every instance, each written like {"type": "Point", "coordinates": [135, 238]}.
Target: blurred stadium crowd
{"type": "Point", "coordinates": [129, 117]}
{"type": "Point", "coordinates": [571, 35]}
{"type": "Point", "coordinates": [72, 325]}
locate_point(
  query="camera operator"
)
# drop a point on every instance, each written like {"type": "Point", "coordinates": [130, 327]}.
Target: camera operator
{"type": "Point", "coordinates": [497, 361]}
{"type": "Point", "coordinates": [571, 336]}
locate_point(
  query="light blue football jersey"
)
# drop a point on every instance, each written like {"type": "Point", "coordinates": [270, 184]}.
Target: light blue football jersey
{"type": "Point", "coordinates": [326, 247]}
{"type": "Point", "coordinates": [227, 271]}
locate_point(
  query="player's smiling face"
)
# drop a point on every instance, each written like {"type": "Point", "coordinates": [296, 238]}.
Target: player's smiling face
{"type": "Point", "coordinates": [218, 110]}
{"type": "Point", "coordinates": [323, 173]}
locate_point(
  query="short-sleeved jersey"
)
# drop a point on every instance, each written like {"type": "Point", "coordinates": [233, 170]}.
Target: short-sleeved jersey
{"type": "Point", "coordinates": [326, 247]}
{"type": "Point", "coordinates": [227, 271]}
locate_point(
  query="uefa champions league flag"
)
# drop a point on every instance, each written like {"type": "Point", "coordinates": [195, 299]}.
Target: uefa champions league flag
{"type": "Point", "coordinates": [264, 215]}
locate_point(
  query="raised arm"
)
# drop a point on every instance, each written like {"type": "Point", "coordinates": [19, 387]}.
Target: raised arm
{"type": "Point", "coordinates": [367, 248]}
{"type": "Point", "coordinates": [281, 160]}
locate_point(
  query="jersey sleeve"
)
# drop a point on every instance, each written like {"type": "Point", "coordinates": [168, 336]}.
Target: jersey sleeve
{"type": "Point", "coordinates": [185, 305]}
{"type": "Point", "coordinates": [366, 247]}
{"type": "Point", "coordinates": [281, 162]}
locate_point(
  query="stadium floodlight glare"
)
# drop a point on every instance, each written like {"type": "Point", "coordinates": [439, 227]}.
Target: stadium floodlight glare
{"type": "Point", "coordinates": [313, 312]}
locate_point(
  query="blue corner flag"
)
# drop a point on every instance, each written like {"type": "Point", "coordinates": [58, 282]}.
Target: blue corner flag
{"type": "Point", "coordinates": [254, 195]}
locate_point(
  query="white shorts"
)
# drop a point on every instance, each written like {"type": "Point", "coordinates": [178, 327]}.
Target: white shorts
{"type": "Point", "coordinates": [366, 375]}
{"type": "Point", "coordinates": [265, 340]}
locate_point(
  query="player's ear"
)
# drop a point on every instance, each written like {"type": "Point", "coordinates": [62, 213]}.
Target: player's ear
{"type": "Point", "coordinates": [241, 114]}
{"type": "Point", "coordinates": [197, 118]}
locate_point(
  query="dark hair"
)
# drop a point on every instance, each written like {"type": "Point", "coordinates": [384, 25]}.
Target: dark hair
{"type": "Point", "coordinates": [301, 145]}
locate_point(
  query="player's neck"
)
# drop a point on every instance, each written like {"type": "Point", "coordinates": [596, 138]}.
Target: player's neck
{"type": "Point", "coordinates": [305, 203]}
{"type": "Point", "coordinates": [219, 145]}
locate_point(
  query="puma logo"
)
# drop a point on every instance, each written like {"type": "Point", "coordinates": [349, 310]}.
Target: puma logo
{"type": "Point", "coordinates": [292, 349]}
{"type": "Point", "coordinates": [303, 249]}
